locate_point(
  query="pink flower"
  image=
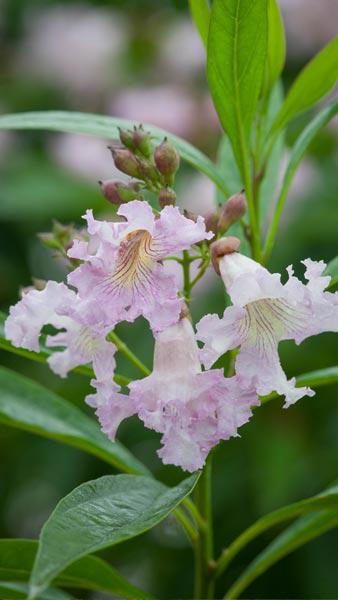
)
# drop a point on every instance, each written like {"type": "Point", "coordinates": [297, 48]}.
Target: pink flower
{"type": "Point", "coordinates": [82, 344]}
{"type": "Point", "coordinates": [264, 312]}
{"type": "Point", "coordinates": [122, 276]}
{"type": "Point", "coordinates": [193, 410]}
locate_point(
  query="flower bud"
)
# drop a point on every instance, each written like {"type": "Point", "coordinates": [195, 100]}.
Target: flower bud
{"type": "Point", "coordinates": [232, 211]}
{"type": "Point", "coordinates": [126, 138]}
{"type": "Point", "coordinates": [147, 170]}
{"type": "Point", "coordinates": [167, 160]}
{"type": "Point", "coordinates": [167, 197]}
{"type": "Point", "coordinates": [141, 141]}
{"type": "Point", "coordinates": [117, 192]}
{"type": "Point", "coordinates": [126, 162]}
{"type": "Point", "coordinates": [211, 222]}
{"type": "Point", "coordinates": [226, 245]}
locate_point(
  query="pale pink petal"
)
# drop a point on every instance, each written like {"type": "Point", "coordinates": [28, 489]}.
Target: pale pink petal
{"type": "Point", "coordinates": [36, 309]}
{"type": "Point", "coordinates": [220, 335]}
{"type": "Point", "coordinates": [111, 406]}
{"type": "Point", "coordinates": [174, 232]}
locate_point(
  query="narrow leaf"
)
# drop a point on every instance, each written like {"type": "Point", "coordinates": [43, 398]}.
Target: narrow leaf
{"type": "Point", "coordinates": [90, 572]}
{"type": "Point", "coordinates": [327, 498]}
{"type": "Point", "coordinates": [27, 405]}
{"type": "Point", "coordinates": [200, 12]}
{"type": "Point", "coordinates": [107, 127]}
{"type": "Point", "coordinates": [299, 533]}
{"type": "Point", "coordinates": [276, 46]}
{"type": "Point", "coordinates": [102, 513]}
{"type": "Point", "coordinates": [332, 270]}
{"type": "Point", "coordinates": [19, 591]}
{"type": "Point", "coordinates": [236, 60]}
{"type": "Point", "coordinates": [297, 153]}
{"type": "Point", "coordinates": [313, 83]}
{"type": "Point", "coordinates": [313, 379]}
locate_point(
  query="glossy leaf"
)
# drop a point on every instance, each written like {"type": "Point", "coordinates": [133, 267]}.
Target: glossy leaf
{"type": "Point", "coordinates": [19, 591]}
{"type": "Point", "coordinates": [90, 572]}
{"type": "Point", "coordinates": [200, 12]}
{"type": "Point", "coordinates": [27, 405]}
{"type": "Point", "coordinates": [332, 270]}
{"type": "Point", "coordinates": [299, 533]}
{"type": "Point", "coordinates": [107, 127]}
{"type": "Point", "coordinates": [297, 153]}
{"type": "Point", "coordinates": [102, 513]}
{"type": "Point", "coordinates": [328, 498]}
{"type": "Point", "coordinates": [313, 83]}
{"type": "Point", "coordinates": [275, 57]}
{"type": "Point", "coordinates": [236, 60]}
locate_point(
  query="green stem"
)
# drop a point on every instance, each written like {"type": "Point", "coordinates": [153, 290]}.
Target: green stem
{"type": "Point", "coordinates": [187, 525]}
{"type": "Point", "coordinates": [122, 347]}
{"type": "Point", "coordinates": [186, 275]}
{"type": "Point", "coordinates": [271, 234]}
{"type": "Point", "coordinates": [204, 581]}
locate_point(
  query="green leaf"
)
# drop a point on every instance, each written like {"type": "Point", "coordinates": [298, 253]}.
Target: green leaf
{"type": "Point", "coordinates": [328, 497]}
{"type": "Point", "coordinates": [236, 59]}
{"type": "Point", "coordinates": [90, 572]}
{"type": "Point", "coordinates": [18, 591]}
{"type": "Point", "coordinates": [314, 379]}
{"type": "Point", "coordinates": [27, 405]}
{"type": "Point", "coordinates": [315, 81]}
{"type": "Point", "coordinates": [332, 270]}
{"type": "Point", "coordinates": [107, 127]}
{"type": "Point", "coordinates": [299, 533]}
{"type": "Point", "coordinates": [44, 353]}
{"type": "Point", "coordinates": [297, 153]}
{"type": "Point", "coordinates": [276, 46]}
{"type": "Point", "coordinates": [200, 12]}
{"type": "Point", "coordinates": [102, 513]}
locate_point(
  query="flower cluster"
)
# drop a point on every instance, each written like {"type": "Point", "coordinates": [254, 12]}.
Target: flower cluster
{"type": "Point", "coordinates": [122, 274]}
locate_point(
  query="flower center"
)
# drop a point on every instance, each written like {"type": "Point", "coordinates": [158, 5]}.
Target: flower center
{"type": "Point", "coordinates": [135, 259]}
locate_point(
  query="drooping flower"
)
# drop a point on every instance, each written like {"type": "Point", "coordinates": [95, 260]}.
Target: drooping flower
{"type": "Point", "coordinates": [264, 312]}
{"type": "Point", "coordinates": [122, 276]}
{"type": "Point", "coordinates": [193, 410]}
{"type": "Point", "coordinates": [81, 344]}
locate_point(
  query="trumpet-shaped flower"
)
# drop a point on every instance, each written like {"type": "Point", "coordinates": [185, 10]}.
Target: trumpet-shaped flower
{"type": "Point", "coordinates": [122, 275]}
{"type": "Point", "coordinates": [82, 344]}
{"type": "Point", "coordinates": [264, 312]}
{"type": "Point", "coordinates": [193, 410]}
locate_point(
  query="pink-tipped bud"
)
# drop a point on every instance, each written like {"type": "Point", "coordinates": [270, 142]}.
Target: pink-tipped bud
{"type": "Point", "coordinates": [167, 160]}
{"type": "Point", "coordinates": [232, 211]}
{"type": "Point", "coordinates": [167, 197]}
{"type": "Point", "coordinates": [117, 192]}
{"type": "Point", "coordinates": [226, 245]}
{"type": "Point", "coordinates": [141, 141]}
{"type": "Point", "coordinates": [126, 162]}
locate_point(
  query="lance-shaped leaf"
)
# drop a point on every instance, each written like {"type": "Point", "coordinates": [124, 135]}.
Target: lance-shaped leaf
{"type": "Point", "coordinates": [27, 405]}
{"type": "Point", "coordinates": [90, 572]}
{"type": "Point", "coordinates": [107, 127]}
{"type": "Point", "coordinates": [299, 533]}
{"type": "Point", "coordinates": [297, 153]}
{"type": "Point", "coordinates": [315, 81]}
{"type": "Point", "coordinates": [275, 57]}
{"type": "Point", "coordinates": [19, 591]}
{"type": "Point", "coordinates": [200, 12]}
{"type": "Point", "coordinates": [327, 498]}
{"type": "Point", "coordinates": [102, 513]}
{"type": "Point", "coordinates": [236, 61]}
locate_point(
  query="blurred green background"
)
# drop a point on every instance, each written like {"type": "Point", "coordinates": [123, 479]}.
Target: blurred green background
{"type": "Point", "coordinates": [143, 60]}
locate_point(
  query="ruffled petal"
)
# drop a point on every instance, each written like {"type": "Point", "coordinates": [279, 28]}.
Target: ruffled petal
{"type": "Point", "coordinates": [36, 309]}
{"type": "Point", "coordinates": [111, 406]}
{"type": "Point", "coordinates": [220, 335]}
{"type": "Point", "coordinates": [174, 232]}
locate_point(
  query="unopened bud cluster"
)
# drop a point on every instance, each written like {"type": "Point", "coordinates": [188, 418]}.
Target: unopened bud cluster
{"type": "Point", "coordinates": [154, 167]}
{"type": "Point", "coordinates": [60, 239]}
